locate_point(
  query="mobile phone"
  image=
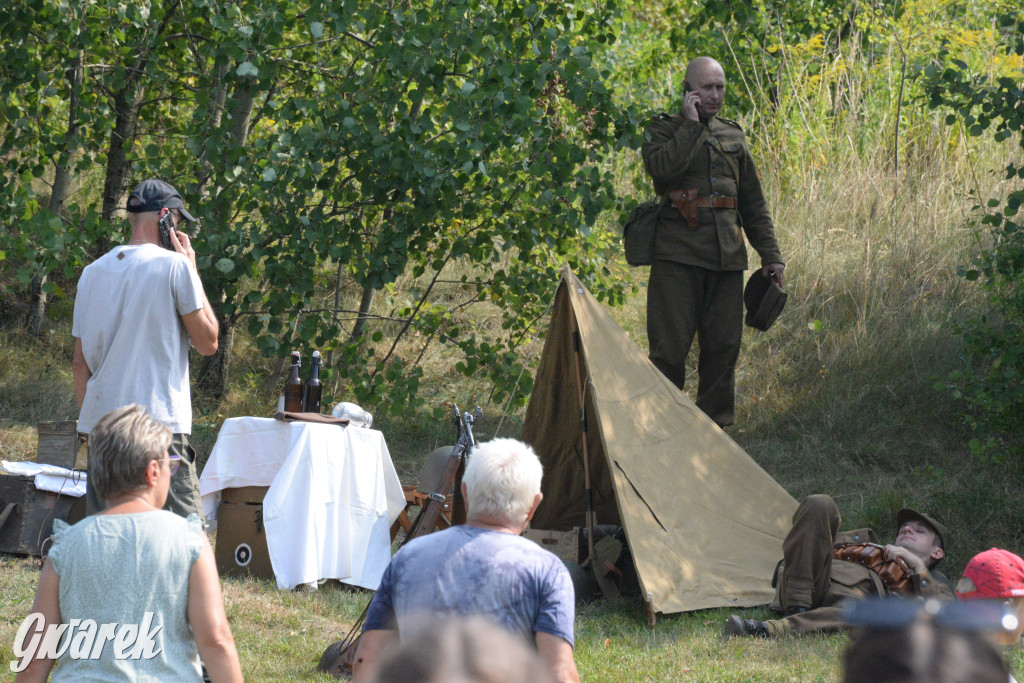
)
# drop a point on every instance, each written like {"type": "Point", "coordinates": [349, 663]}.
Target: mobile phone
{"type": "Point", "coordinates": [166, 226]}
{"type": "Point", "coordinates": [686, 87]}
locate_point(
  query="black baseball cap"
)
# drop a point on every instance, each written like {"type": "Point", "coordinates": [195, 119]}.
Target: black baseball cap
{"type": "Point", "coordinates": [153, 195]}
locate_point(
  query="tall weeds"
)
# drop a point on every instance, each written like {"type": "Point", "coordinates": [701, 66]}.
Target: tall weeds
{"type": "Point", "coordinates": [872, 195]}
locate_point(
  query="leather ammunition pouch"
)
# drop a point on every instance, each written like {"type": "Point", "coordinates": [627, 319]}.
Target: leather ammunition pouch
{"type": "Point", "coordinates": [687, 202]}
{"type": "Point", "coordinates": [895, 574]}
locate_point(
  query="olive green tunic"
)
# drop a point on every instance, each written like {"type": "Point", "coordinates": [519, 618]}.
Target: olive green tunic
{"type": "Point", "coordinates": [696, 285]}
{"type": "Point", "coordinates": [680, 154]}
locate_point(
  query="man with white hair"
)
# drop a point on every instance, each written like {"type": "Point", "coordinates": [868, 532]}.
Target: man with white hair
{"type": "Point", "coordinates": [483, 567]}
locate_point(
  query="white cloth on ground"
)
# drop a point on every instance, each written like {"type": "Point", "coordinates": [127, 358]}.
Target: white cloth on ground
{"type": "Point", "coordinates": [49, 477]}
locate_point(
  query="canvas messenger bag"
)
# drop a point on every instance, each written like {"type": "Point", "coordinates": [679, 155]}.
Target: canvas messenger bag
{"type": "Point", "coordinates": [638, 233]}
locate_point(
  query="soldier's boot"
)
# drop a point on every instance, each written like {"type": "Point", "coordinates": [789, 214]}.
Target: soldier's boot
{"type": "Point", "coordinates": [736, 625]}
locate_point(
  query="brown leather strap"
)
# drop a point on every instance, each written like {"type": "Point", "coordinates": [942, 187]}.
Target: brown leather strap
{"type": "Point", "coordinates": [687, 202]}
{"type": "Point", "coordinates": [894, 574]}
{"type": "Point", "coordinates": [690, 196]}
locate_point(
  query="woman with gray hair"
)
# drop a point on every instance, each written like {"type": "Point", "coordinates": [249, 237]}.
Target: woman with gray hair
{"type": "Point", "coordinates": [144, 578]}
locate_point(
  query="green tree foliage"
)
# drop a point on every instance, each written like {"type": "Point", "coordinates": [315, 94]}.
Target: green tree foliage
{"type": "Point", "coordinates": [994, 104]}
{"type": "Point", "coordinates": [332, 151]}
{"type": "Point", "coordinates": [809, 81]}
{"type": "Point", "coordinates": [50, 123]}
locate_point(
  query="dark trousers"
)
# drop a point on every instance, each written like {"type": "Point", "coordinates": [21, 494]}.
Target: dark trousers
{"type": "Point", "coordinates": [182, 496]}
{"type": "Point", "coordinates": [683, 301]}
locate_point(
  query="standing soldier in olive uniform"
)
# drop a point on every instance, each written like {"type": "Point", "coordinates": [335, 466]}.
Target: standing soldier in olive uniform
{"type": "Point", "coordinates": [703, 171]}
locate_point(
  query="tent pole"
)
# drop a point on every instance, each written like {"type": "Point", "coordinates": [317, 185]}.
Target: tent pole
{"type": "Point", "coordinates": [589, 521]}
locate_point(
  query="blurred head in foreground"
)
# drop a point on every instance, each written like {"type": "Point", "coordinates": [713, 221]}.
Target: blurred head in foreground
{"type": "Point", "coordinates": [923, 652]}
{"type": "Point", "coordinates": [904, 641]}
{"type": "Point", "coordinates": [463, 650]}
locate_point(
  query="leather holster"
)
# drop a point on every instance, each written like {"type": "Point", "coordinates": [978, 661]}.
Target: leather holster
{"type": "Point", "coordinates": [685, 202]}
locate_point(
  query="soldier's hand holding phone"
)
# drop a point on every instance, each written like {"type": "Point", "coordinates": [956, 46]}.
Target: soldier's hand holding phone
{"type": "Point", "coordinates": [691, 101]}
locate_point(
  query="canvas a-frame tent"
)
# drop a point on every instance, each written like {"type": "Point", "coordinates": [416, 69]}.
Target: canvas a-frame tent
{"type": "Point", "coordinates": [704, 522]}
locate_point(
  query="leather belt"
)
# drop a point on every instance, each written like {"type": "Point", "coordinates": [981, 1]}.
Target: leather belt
{"type": "Point", "coordinates": [716, 202]}
{"type": "Point", "coordinates": [687, 202]}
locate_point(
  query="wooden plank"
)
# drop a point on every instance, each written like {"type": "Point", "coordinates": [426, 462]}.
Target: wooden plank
{"type": "Point", "coordinates": [57, 443]}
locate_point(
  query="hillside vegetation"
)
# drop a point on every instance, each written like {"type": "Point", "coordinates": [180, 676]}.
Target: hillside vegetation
{"type": "Point", "coordinates": [854, 392]}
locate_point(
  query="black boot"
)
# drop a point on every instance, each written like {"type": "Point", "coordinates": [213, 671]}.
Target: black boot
{"type": "Point", "coordinates": [736, 625]}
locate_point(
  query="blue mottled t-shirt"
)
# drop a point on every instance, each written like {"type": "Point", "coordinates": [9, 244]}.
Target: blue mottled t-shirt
{"type": "Point", "coordinates": [467, 570]}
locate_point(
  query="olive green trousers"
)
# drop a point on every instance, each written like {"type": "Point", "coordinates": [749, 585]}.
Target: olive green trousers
{"type": "Point", "coordinates": [686, 301]}
{"type": "Point", "coordinates": [810, 578]}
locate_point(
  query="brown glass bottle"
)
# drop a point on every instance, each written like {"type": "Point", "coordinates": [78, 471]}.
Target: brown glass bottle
{"type": "Point", "coordinates": [314, 390]}
{"type": "Point", "coordinates": [293, 386]}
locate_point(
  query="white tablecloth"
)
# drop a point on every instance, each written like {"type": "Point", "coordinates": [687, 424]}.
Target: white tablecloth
{"type": "Point", "coordinates": [333, 495]}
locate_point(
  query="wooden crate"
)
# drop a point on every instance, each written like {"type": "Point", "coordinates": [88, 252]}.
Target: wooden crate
{"type": "Point", "coordinates": [58, 443]}
{"type": "Point", "coordinates": [241, 538]}
{"type": "Point", "coordinates": [27, 514]}
{"type": "Point", "coordinates": [564, 544]}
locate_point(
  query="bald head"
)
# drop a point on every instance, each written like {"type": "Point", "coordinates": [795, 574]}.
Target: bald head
{"type": "Point", "coordinates": [705, 83]}
{"type": "Point", "coordinates": [699, 65]}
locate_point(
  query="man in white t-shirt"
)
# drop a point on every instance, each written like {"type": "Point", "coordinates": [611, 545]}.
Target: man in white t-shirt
{"type": "Point", "coordinates": [136, 310]}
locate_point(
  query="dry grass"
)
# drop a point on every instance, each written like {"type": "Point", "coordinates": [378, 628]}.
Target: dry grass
{"type": "Point", "coordinates": [281, 635]}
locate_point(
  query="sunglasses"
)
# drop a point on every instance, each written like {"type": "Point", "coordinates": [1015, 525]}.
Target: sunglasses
{"type": "Point", "coordinates": [173, 460]}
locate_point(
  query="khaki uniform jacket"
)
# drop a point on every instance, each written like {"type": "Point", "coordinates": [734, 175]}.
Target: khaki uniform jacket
{"type": "Point", "coordinates": [680, 154]}
{"type": "Point", "coordinates": [927, 584]}
{"type": "Point", "coordinates": [849, 580]}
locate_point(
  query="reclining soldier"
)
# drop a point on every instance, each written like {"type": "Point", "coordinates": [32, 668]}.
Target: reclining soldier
{"type": "Point", "coordinates": [811, 583]}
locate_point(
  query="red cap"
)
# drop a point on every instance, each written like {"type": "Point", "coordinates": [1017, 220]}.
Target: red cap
{"type": "Point", "coordinates": [995, 573]}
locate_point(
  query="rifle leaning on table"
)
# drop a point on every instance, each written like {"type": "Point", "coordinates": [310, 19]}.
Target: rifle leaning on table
{"type": "Point", "coordinates": [339, 657]}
